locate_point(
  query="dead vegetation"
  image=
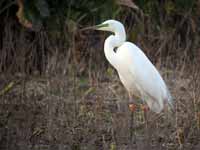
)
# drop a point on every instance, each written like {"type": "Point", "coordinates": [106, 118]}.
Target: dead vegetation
{"type": "Point", "coordinates": [76, 112]}
{"type": "Point", "coordinates": [60, 95]}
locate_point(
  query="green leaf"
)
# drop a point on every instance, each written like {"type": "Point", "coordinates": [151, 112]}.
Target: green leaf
{"type": "Point", "coordinates": [169, 7]}
{"type": "Point", "coordinates": [34, 17]}
{"type": "Point", "coordinates": [43, 8]}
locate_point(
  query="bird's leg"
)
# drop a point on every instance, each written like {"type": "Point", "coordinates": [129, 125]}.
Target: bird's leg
{"type": "Point", "coordinates": [144, 107]}
{"type": "Point", "coordinates": [132, 108]}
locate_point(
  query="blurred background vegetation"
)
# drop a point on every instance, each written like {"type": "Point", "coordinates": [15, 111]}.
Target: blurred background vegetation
{"type": "Point", "coordinates": [33, 32]}
{"type": "Point", "coordinates": [56, 86]}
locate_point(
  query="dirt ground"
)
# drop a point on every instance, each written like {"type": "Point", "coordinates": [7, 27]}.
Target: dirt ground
{"type": "Point", "coordinates": [70, 112]}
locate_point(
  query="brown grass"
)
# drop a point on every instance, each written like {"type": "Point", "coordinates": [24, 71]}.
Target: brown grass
{"type": "Point", "coordinates": [74, 112]}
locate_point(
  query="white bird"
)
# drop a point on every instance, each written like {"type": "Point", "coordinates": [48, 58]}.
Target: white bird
{"type": "Point", "coordinates": [136, 72]}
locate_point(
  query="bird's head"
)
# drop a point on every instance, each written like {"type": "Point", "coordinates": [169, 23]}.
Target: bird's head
{"type": "Point", "coordinates": [110, 25]}
{"type": "Point", "coordinates": [113, 26]}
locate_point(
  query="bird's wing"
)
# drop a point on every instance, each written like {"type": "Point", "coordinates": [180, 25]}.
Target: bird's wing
{"type": "Point", "coordinates": [145, 76]}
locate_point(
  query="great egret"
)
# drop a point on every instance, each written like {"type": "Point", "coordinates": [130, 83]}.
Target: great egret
{"type": "Point", "coordinates": [136, 72]}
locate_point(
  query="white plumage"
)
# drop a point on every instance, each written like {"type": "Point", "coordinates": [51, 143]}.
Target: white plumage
{"type": "Point", "coordinates": [137, 73]}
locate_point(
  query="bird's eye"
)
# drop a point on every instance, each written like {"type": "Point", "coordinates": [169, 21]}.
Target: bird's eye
{"type": "Point", "coordinates": [115, 49]}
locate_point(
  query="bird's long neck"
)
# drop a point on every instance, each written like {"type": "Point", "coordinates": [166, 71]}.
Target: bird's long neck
{"type": "Point", "coordinates": [113, 41]}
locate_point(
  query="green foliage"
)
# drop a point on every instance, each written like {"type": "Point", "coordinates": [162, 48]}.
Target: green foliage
{"type": "Point", "coordinates": [166, 10]}
{"type": "Point", "coordinates": [151, 7]}
{"type": "Point", "coordinates": [184, 5]}
{"type": "Point", "coordinates": [91, 10]}
{"type": "Point", "coordinates": [169, 7]}
{"type": "Point", "coordinates": [35, 11]}
{"type": "Point", "coordinates": [55, 13]}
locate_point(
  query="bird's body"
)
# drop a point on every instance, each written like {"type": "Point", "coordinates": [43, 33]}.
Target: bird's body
{"type": "Point", "coordinates": [141, 78]}
{"type": "Point", "coordinates": [137, 73]}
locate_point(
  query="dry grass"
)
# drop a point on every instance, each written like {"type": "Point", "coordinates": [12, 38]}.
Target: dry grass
{"type": "Point", "coordinates": [73, 112]}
